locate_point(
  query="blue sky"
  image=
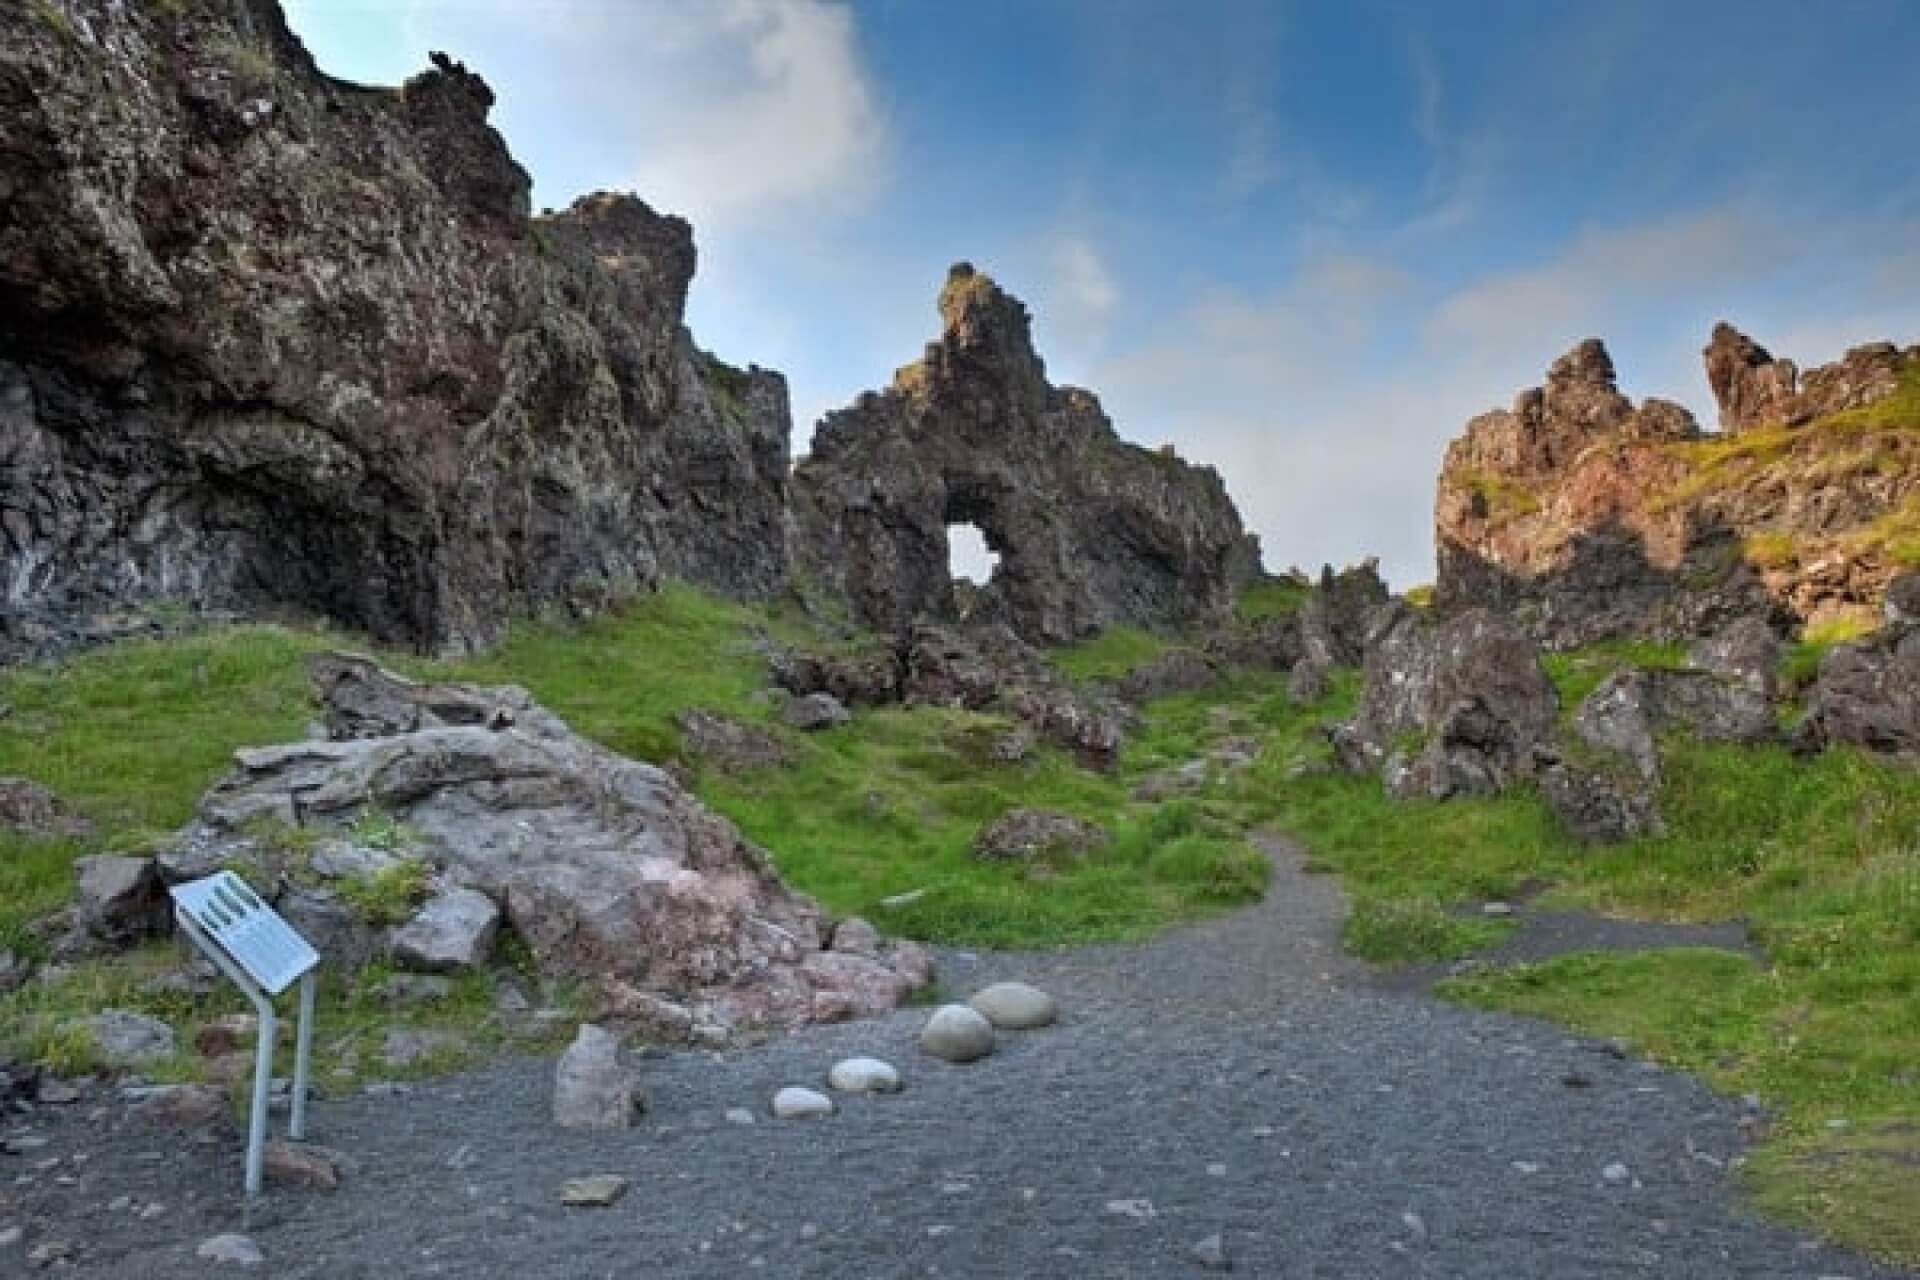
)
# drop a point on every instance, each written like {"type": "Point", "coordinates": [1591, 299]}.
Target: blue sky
{"type": "Point", "coordinates": [1303, 242]}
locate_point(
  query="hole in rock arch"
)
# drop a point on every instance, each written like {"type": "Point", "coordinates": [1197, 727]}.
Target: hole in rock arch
{"type": "Point", "coordinates": [969, 558]}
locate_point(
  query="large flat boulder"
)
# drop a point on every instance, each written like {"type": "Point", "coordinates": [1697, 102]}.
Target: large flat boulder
{"type": "Point", "coordinates": [604, 866]}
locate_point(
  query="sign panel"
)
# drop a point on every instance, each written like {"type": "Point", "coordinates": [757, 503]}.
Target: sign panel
{"type": "Point", "coordinates": [252, 933]}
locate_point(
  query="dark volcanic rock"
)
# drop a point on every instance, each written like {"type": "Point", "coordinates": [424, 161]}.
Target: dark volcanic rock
{"type": "Point", "coordinates": [1090, 530]}
{"type": "Point", "coordinates": [269, 339]}
{"type": "Point", "coordinates": [1450, 707]}
{"type": "Point", "coordinates": [1589, 517]}
{"type": "Point", "coordinates": [1337, 614]}
{"type": "Point", "coordinates": [30, 809]}
{"type": "Point", "coordinates": [1868, 694]}
{"type": "Point", "coordinates": [1023, 835]}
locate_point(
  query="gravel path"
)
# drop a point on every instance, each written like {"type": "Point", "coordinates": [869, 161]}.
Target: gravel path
{"type": "Point", "coordinates": [1241, 1077]}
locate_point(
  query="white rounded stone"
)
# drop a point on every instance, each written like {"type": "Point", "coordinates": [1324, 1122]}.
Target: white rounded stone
{"type": "Point", "coordinates": [1015, 1006]}
{"type": "Point", "coordinates": [864, 1075]}
{"type": "Point", "coordinates": [957, 1034]}
{"type": "Point", "coordinates": [796, 1104]}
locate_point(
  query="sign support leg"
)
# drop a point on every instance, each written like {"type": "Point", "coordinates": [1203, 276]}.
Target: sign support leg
{"type": "Point", "coordinates": [302, 1050]}
{"type": "Point", "coordinates": [262, 1086]}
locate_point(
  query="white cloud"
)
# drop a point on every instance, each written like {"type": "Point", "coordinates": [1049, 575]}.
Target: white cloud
{"type": "Point", "coordinates": [1606, 274]}
{"type": "Point", "coordinates": [755, 107]}
{"type": "Point", "coordinates": [1080, 295]}
{"type": "Point", "coordinates": [1328, 404]}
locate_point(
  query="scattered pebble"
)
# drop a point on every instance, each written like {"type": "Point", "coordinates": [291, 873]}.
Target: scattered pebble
{"type": "Point", "coordinates": [1139, 1210]}
{"type": "Point", "coordinates": [794, 1103]}
{"type": "Point", "coordinates": [864, 1075]}
{"type": "Point", "coordinates": [1497, 909]}
{"type": "Point", "coordinates": [1616, 1172]}
{"type": "Point", "coordinates": [1216, 1170]}
{"type": "Point", "coordinates": [237, 1250]}
{"type": "Point", "coordinates": [957, 1033]}
{"type": "Point", "coordinates": [1527, 1167]}
{"type": "Point", "coordinates": [1211, 1253]}
{"type": "Point", "coordinates": [1015, 1006]}
{"type": "Point", "coordinates": [739, 1115]}
{"type": "Point", "coordinates": [596, 1192]}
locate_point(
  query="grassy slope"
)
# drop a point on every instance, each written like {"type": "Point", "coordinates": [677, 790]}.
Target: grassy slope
{"type": "Point", "coordinates": [1822, 856]}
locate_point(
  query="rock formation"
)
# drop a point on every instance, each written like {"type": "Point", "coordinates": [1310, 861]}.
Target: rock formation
{"type": "Point", "coordinates": [1090, 531]}
{"type": "Point", "coordinates": [1867, 693]}
{"type": "Point", "coordinates": [1590, 517]}
{"type": "Point", "coordinates": [984, 666]}
{"type": "Point", "coordinates": [1449, 707]}
{"type": "Point", "coordinates": [601, 865]}
{"type": "Point", "coordinates": [272, 339]}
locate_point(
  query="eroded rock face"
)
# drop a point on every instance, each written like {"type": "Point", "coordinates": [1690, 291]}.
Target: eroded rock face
{"type": "Point", "coordinates": [1090, 531]}
{"type": "Point", "coordinates": [1589, 517]}
{"type": "Point", "coordinates": [981, 666]}
{"type": "Point", "coordinates": [272, 339]}
{"type": "Point", "coordinates": [602, 865]}
{"type": "Point", "coordinates": [1450, 707]}
{"type": "Point", "coordinates": [1867, 694]}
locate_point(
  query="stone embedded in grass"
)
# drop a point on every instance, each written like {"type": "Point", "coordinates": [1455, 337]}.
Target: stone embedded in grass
{"type": "Point", "coordinates": [452, 933]}
{"type": "Point", "coordinates": [1022, 835]}
{"type": "Point", "coordinates": [592, 1088]}
{"type": "Point", "coordinates": [794, 1103]}
{"type": "Point", "coordinates": [1015, 1006]}
{"type": "Point", "coordinates": [405, 1046]}
{"type": "Point", "coordinates": [816, 711]}
{"type": "Point", "coordinates": [123, 1038]}
{"type": "Point", "coordinates": [864, 1075]}
{"type": "Point", "coordinates": [957, 1033]}
{"type": "Point", "coordinates": [119, 901]}
{"type": "Point", "coordinates": [185, 1106]}
{"type": "Point", "coordinates": [596, 1192]}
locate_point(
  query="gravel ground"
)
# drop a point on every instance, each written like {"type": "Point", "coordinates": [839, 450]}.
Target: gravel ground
{"type": "Point", "coordinates": [1239, 1078]}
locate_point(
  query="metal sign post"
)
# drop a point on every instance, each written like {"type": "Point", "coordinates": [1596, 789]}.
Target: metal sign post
{"type": "Point", "coordinates": [263, 956]}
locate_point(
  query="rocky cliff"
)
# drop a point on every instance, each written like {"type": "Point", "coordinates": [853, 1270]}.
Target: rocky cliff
{"type": "Point", "coordinates": [1090, 531]}
{"type": "Point", "coordinates": [269, 338]}
{"type": "Point", "coordinates": [1590, 516]}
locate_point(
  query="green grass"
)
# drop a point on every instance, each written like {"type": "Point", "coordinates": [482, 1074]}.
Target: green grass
{"type": "Point", "coordinates": [1860, 434]}
{"type": "Point", "coordinates": [1578, 672]}
{"type": "Point", "coordinates": [1821, 856]}
{"type": "Point", "coordinates": [1109, 655]}
{"type": "Point", "coordinates": [1271, 598]}
{"type": "Point", "coordinates": [131, 736]}
{"type": "Point", "coordinates": [1502, 497]}
{"type": "Point", "coordinates": [1409, 930]}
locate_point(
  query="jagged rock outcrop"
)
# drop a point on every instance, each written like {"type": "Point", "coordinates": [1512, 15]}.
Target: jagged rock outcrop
{"type": "Point", "coordinates": [978, 667]}
{"type": "Point", "coordinates": [1449, 707]}
{"type": "Point", "coordinates": [270, 339]}
{"type": "Point", "coordinates": [1589, 517]}
{"type": "Point", "coordinates": [1090, 531]}
{"type": "Point", "coordinates": [1867, 693]}
{"type": "Point", "coordinates": [603, 866]}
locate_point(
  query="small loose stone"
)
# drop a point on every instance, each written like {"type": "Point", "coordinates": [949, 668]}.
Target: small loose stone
{"type": "Point", "coordinates": [596, 1192]}
{"type": "Point", "coordinates": [864, 1075]}
{"type": "Point", "coordinates": [237, 1250]}
{"type": "Point", "coordinates": [1211, 1252]}
{"type": "Point", "coordinates": [794, 1103]}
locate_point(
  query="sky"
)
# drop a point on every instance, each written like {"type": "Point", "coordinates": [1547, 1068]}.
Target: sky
{"type": "Point", "coordinates": [1303, 242]}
